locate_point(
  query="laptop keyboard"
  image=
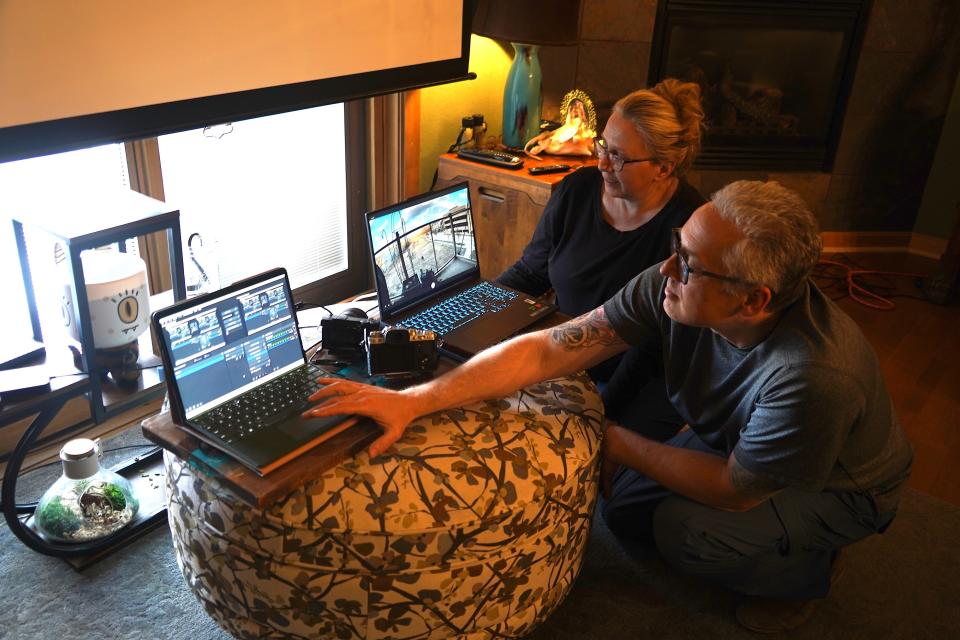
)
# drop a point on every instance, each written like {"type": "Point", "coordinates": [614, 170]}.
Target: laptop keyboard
{"type": "Point", "coordinates": [263, 406]}
{"type": "Point", "coordinates": [460, 309]}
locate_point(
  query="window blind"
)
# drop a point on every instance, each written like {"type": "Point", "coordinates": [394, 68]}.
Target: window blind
{"type": "Point", "coordinates": [262, 193]}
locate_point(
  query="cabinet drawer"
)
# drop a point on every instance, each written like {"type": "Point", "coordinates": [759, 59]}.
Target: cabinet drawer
{"type": "Point", "coordinates": [504, 220]}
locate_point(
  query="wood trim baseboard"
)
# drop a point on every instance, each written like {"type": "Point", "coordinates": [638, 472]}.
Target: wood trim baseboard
{"type": "Point", "coordinates": [865, 241]}
{"type": "Point", "coordinates": [883, 242]}
{"type": "Point", "coordinates": [927, 246]}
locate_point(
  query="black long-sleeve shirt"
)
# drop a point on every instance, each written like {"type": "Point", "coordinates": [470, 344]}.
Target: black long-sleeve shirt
{"type": "Point", "coordinates": [580, 256]}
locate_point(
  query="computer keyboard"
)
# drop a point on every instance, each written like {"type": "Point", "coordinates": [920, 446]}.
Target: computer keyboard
{"type": "Point", "coordinates": [263, 406]}
{"type": "Point", "coordinates": [462, 308]}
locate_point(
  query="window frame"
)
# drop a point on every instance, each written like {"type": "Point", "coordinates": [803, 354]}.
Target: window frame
{"type": "Point", "coordinates": [144, 167]}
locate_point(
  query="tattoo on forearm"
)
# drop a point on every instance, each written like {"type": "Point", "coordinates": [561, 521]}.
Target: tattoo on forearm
{"type": "Point", "coordinates": [751, 484]}
{"type": "Point", "coordinates": [586, 331]}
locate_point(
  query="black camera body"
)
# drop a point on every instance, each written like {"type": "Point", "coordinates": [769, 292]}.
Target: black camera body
{"type": "Point", "coordinates": [398, 350]}
{"type": "Point", "coordinates": [346, 335]}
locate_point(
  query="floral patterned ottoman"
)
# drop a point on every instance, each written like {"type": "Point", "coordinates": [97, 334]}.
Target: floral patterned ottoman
{"type": "Point", "coordinates": [473, 526]}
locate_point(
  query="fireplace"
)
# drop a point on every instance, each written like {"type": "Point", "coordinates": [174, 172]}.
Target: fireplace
{"type": "Point", "coordinates": [774, 75]}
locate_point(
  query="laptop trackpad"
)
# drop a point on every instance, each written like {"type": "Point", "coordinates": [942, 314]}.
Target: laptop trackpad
{"type": "Point", "coordinates": [305, 429]}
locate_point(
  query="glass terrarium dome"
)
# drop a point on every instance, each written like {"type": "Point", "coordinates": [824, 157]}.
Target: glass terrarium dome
{"type": "Point", "coordinates": [86, 502]}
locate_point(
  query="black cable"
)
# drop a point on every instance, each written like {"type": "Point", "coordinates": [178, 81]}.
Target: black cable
{"type": "Point", "coordinates": [28, 508]}
{"type": "Point", "coordinates": [84, 373]}
{"type": "Point", "coordinates": [38, 467]}
{"type": "Point", "coordinates": [454, 147]}
{"type": "Point", "coordinates": [193, 258]}
{"type": "Point", "coordinates": [300, 306]}
{"type": "Point", "coordinates": [460, 141]}
{"type": "Point", "coordinates": [16, 520]}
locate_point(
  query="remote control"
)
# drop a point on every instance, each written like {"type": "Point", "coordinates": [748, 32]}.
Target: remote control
{"type": "Point", "coordinates": [549, 168]}
{"type": "Point", "coordinates": [489, 156]}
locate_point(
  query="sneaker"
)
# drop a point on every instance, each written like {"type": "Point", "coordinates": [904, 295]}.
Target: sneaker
{"type": "Point", "coordinates": [776, 615]}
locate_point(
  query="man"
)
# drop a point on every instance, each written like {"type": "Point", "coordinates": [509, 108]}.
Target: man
{"type": "Point", "coordinates": [793, 449]}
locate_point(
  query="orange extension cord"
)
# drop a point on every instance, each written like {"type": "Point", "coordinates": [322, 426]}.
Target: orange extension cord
{"type": "Point", "coordinates": [858, 290]}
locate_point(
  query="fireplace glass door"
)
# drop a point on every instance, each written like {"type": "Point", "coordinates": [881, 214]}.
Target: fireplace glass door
{"type": "Point", "coordinates": [774, 81]}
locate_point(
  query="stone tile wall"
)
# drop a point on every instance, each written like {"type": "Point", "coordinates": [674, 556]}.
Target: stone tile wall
{"type": "Point", "coordinates": [904, 78]}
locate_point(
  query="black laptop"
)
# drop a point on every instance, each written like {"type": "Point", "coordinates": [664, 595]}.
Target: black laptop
{"type": "Point", "coordinates": [428, 275]}
{"type": "Point", "coordinates": [237, 374]}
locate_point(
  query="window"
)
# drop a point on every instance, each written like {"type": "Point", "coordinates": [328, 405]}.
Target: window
{"type": "Point", "coordinates": [284, 190]}
{"type": "Point", "coordinates": [261, 193]}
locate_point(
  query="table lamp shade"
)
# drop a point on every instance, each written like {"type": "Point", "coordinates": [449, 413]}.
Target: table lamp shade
{"type": "Point", "coordinates": [116, 285]}
{"type": "Point", "coordinates": [537, 22]}
{"type": "Point", "coordinates": [526, 24]}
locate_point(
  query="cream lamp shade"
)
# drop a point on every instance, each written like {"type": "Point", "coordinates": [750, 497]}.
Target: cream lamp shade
{"type": "Point", "coordinates": [116, 285]}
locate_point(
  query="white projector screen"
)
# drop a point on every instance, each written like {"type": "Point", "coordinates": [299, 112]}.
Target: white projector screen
{"type": "Point", "coordinates": [74, 74]}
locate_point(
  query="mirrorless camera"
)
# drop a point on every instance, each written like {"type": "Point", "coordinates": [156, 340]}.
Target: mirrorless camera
{"type": "Point", "coordinates": [397, 350]}
{"type": "Point", "coordinates": [346, 336]}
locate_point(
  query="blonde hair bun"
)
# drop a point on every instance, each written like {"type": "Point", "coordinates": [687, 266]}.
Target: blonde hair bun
{"type": "Point", "coordinates": [669, 117]}
{"type": "Point", "coordinates": [685, 98]}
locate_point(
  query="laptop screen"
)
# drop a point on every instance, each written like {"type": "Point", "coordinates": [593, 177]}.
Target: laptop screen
{"type": "Point", "coordinates": [422, 247]}
{"type": "Point", "coordinates": [229, 344]}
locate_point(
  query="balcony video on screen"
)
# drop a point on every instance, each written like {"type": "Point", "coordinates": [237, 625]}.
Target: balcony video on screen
{"type": "Point", "coordinates": [423, 245]}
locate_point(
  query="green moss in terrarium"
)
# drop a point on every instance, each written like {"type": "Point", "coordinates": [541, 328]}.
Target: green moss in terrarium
{"type": "Point", "coordinates": [117, 499]}
{"type": "Point", "coordinates": [58, 519]}
{"type": "Point", "coordinates": [87, 502]}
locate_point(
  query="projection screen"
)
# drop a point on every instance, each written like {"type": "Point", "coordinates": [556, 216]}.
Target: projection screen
{"type": "Point", "coordinates": [75, 74]}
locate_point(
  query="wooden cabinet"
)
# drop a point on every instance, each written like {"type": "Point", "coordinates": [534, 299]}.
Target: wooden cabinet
{"type": "Point", "coordinates": [506, 204]}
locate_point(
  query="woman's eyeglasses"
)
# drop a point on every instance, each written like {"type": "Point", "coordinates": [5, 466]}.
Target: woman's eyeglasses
{"type": "Point", "coordinates": [614, 158]}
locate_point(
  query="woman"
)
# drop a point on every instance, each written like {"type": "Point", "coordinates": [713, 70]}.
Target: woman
{"type": "Point", "coordinates": [603, 226]}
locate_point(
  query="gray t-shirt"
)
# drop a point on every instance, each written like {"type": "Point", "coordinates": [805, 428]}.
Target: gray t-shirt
{"type": "Point", "coordinates": [807, 407]}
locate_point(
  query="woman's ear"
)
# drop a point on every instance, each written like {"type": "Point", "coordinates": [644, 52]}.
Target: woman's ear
{"type": "Point", "coordinates": [665, 170]}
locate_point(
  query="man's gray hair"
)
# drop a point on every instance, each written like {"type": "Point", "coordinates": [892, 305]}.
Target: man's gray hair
{"type": "Point", "coordinates": [781, 239]}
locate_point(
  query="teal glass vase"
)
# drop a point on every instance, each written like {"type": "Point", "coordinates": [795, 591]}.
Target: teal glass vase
{"type": "Point", "coordinates": [521, 97]}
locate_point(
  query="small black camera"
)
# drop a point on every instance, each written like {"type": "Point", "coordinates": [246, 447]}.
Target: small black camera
{"type": "Point", "coordinates": [346, 335]}
{"type": "Point", "coordinates": [398, 350]}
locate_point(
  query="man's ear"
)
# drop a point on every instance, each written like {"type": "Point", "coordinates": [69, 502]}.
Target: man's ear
{"type": "Point", "coordinates": [757, 301]}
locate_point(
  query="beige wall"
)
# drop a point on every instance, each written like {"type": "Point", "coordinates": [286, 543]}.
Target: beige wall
{"type": "Point", "coordinates": [443, 107]}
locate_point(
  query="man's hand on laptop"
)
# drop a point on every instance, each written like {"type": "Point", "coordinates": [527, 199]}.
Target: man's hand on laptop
{"type": "Point", "coordinates": [392, 410]}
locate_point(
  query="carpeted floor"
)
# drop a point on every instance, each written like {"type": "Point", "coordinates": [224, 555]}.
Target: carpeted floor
{"type": "Point", "coordinates": [903, 584]}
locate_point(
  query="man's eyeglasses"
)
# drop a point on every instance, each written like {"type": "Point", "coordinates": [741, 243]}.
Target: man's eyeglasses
{"type": "Point", "coordinates": [614, 158]}
{"type": "Point", "coordinates": [685, 268]}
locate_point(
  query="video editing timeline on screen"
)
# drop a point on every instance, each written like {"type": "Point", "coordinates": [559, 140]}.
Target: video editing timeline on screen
{"type": "Point", "coordinates": [220, 350]}
{"type": "Point", "coordinates": [419, 246]}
